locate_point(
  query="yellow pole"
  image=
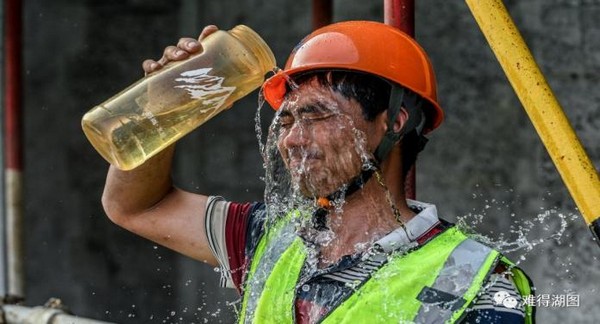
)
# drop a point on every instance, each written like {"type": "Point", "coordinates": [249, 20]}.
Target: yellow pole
{"type": "Point", "coordinates": [548, 118]}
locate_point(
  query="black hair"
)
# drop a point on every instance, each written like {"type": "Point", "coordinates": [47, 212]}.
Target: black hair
{"type": "Point", "coordinates": [373, 94]}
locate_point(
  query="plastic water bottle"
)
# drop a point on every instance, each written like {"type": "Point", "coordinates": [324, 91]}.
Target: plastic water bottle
{"type": "Point", "coordinates": [159, 109]}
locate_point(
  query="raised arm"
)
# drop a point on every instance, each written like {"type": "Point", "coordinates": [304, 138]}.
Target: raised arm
{"type": "Point", "coordinates": [144, 200]}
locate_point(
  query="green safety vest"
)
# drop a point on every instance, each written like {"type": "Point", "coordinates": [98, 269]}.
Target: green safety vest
{"type": "Point", "coordinates": [432, 284]}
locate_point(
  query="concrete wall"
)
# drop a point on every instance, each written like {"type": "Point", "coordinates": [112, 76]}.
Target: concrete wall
{"type": "Point", "coordinates": [485, 165]}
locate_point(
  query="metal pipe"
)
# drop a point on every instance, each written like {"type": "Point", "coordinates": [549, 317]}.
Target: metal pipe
{"type": "Point", "coordinates": [548, 118]}
{"type": "Point", "coordinates": [3, 275]}
{"type": "Point", "coordinates": [13, 314]}
{"type": "Point", "coordinates": [12, 150]}
{"type": "Point", "coordinates": [322, 13]}
{"type": "Point", "coordinates": [401, 14]}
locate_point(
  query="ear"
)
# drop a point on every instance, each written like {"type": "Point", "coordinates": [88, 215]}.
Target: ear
{"type": "Point", "coordinates": [401, 120]}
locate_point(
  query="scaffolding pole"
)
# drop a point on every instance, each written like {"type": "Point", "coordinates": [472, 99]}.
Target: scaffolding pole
{"type": "Point", "coordinates": [322, 13]}
{"type": "Point", "coordinates": [542, 107]}
{"type": "Point", "coordinates": [13, 208]}
{"type": "Point", "coordinates": [13, 314]}
{"type": "Point", "coordinates": [401, 14]}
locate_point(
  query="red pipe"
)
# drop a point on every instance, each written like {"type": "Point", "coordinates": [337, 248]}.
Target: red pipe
{"type": "Point", "coordinates": [322, 13]}
{"type": "Point", "coordinates": [401, 14]}
{"type": "Point", "coordinates": [12, 80]}
{"type": "Point", "coordinates": [13, 155]}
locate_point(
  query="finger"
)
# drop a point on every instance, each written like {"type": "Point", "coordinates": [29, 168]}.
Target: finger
{"type": "Point", "coordinates": [150, 66]}
{"type": "Point", "coordinates": [207, 31]}
{"type": "Point", "coordinates": [173, 53]}
{"type": "Point", "coordinates": [189, 45]}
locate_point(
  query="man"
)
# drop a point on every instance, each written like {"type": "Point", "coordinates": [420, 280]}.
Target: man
{"type": "Point", "coordinates": [336, 241]}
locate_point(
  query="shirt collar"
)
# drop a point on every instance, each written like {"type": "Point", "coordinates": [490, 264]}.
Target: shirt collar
{"type": "Point", "coordinates": [420, 224]}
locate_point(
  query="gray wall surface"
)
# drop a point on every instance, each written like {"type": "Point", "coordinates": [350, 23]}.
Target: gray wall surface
{"type": "Point", "coordinates": [485, 166]}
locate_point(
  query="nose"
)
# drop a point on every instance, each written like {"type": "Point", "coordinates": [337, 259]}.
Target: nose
{"type": "Point", "coordinates": [296, 136]}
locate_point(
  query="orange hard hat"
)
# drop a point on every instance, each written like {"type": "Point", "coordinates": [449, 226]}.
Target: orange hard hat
{"type": "Point", "coordinates": [364, 46]}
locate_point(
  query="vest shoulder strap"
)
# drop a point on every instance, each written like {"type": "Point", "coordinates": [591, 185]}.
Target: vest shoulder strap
{"type": "Point", "coordinates": [524, 286]}
{"type": "Point", "coordinates": [276, 244]}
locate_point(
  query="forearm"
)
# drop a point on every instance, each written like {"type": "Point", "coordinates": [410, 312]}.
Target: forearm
{"type": "Point", "coordinates": [132, 192]}
{"type": "Point", "coordinates": [144, 200]}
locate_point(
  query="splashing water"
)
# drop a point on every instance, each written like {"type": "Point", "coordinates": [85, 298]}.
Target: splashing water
{"type": "Point", "coordinates": [524, 234]}
{"type": "Point", "coordinates": [552, 246]}
{"type": "Point", "coordinates": [283, 194]}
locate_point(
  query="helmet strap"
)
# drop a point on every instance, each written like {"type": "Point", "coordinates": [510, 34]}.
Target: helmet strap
{"type": "Point", "coordinates": [416, 121]}
{"type": "Point", "coordinates": [411, 102]}
{"type": "Point", "coordinates": [353, 186]}
{"type": "Point", "coordinates": [327, 203]}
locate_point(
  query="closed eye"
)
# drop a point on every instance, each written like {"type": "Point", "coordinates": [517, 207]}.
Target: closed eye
{"type": "Point", "coordinates": [285, 119]}
{"type": "Point", "coordinates": [306, 114]}
{"type": "Point", "coordinates": [314, 112]}
{"type": "Point", "coordinates": [316, 117]}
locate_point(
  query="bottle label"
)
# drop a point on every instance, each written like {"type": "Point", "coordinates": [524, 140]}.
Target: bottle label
{"type": "Point", "coordinates": [207, 88]}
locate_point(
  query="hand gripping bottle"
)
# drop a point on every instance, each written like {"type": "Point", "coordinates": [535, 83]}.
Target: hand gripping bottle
{"type": "Point", "coordinates": [159, 109]}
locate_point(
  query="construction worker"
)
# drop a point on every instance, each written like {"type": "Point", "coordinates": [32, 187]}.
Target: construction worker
{"type": "Point", "coordinates": [336, 240]}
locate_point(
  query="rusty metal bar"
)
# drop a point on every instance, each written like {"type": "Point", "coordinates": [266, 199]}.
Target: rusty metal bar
{"type": "Point", "coordinates": [12, 150]}
{"type": "Point", "coordinates": [401, 14]}
{"type": "Point", "coordinates": [14, 314]}
{"type": "Point", "coordinates": [322, 13]}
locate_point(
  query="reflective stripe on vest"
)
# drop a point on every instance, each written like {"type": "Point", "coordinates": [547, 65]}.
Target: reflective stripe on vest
{"type": "Point", "coordinates": [466, 260]}
{"type": "Point", "coordinates": [434, 283]}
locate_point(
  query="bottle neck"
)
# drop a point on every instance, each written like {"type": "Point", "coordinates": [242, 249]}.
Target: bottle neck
{"type": "Point", "coordinates": [256, 45]}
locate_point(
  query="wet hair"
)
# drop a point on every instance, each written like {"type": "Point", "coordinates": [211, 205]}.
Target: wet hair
{"type": "Point", "coordinates": [373, 94]}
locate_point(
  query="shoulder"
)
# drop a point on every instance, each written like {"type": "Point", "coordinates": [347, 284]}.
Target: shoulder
{"type": "Point", "coordinates": [233, 214]}
{"type": "Point", "coordinates": [230, 228]}
{"type": "Point", "coordinates": [504, 297]}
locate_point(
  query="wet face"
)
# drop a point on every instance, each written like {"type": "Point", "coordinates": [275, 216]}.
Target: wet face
{"type": "Point", "coordinates": [324, 139]}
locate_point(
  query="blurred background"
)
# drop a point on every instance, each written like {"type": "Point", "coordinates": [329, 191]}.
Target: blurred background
{"type": "Point", "coordinates": [485, 167]}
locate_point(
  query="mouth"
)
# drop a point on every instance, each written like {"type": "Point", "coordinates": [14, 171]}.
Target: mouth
{"type": "Point", "coordinates": [300, 159]}
{"type": "Point", "coordinates": [301, 164]}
